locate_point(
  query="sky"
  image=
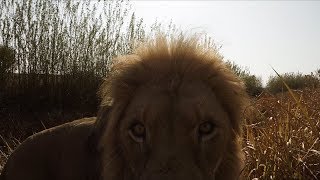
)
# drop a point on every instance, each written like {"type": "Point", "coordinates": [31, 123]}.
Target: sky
{"type": "Point", "coordinates": [257, 35]}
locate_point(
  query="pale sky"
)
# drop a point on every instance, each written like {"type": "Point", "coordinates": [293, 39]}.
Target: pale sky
{"type": "Point", "coordinates": [254, 34]}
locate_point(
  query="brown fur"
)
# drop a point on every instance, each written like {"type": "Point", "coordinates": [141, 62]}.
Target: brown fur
{"type": "Point", "coordinates": [169, 86]}
{"type": "Point", "coordinates": [61, 152]}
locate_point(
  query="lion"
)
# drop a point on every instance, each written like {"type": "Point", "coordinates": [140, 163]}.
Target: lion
{"type": "Point", "coordinates": [171, 110]}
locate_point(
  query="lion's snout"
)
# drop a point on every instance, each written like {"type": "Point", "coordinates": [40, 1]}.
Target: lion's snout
{"type": "Point", "coordinates": [171, 169]}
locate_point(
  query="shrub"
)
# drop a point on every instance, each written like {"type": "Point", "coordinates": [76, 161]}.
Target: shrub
{"type": "Point", "coordinates": [293, 80]}
{"type": "Point", "coordinates": [253, 83]}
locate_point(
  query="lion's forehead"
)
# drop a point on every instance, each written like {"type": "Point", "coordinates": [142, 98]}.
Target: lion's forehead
{"type": "Point", "coordinates": [191, 104]}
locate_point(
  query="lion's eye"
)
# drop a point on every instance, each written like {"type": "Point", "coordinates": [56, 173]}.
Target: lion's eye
{"type": "Point", "coordinates": [137, 132]}
{"type": "Point", "coordinates": [206, 130]}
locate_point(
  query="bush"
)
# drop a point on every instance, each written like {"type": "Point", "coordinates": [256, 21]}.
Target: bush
{"type": "Point", "coordinates": [293, 80]}
{"type": "Point", "coordinates": [253, 83]}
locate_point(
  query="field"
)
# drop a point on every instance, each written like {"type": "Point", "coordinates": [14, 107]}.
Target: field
{"type": "Point", "coordinates": [281, 135]}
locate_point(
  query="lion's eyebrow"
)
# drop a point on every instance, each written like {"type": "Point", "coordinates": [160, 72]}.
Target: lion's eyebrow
{"type": "Point", "coordinates": [198, 107]}
{"type": "Point", "coordinates": [198, 111]}
{"type": "Point", "coordinates": [143, 112]}
{"type": "Point", "coordinates": [137, 113]}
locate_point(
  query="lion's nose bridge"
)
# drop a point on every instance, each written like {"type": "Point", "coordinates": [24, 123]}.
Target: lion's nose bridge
{"type": "Point", "coordinates": [168, 146]}
{"type": "Point", "coordinates": [170, 160]}
{"type": "Point", "coordinates": [169, 156]}
{"type": "Point", "coordinates": [165, 148]}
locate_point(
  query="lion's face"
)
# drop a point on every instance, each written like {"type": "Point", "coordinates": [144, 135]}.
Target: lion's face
{"type": "Point", "coordinates": [176, 115]}
{"type": "Point", "coordinates": [179, 134]}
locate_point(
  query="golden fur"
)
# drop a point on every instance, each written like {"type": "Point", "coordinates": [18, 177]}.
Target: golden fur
{"type": "Point", "coordinates": [169, 71]}
{"type": "Point", "coordinates": [154, 103]}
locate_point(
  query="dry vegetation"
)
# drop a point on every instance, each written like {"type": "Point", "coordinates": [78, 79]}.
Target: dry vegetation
{"type": "Point", "coordinates": [282, 136]}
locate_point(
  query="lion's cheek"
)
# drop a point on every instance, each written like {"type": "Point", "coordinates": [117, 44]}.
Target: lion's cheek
{"type": "Point", "coordinates": [211, 154]}
{"type": "Point", "coordinates": [134, 154]}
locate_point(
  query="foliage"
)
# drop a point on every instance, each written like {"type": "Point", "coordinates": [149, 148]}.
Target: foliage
{"type": "Point", "coordinates": [253, 83]}
{"type": "Point", "coordinates": [63, 48]}
{"type": "Point", "coordinates": [238, 70]}
{"type": "Point", "coordinates": [62, 37]}
{"type": "Point", "coordinates": [294, 81]}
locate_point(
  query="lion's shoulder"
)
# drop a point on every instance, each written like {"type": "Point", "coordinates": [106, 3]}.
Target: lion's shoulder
{"type": "Point", "coordinates": [54, 151]}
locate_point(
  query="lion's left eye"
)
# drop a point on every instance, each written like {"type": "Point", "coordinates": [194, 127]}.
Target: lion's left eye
{"type": "Point", "coordinates": [206, 130]}
{"type": "Point", "coordinates": [137, 132]}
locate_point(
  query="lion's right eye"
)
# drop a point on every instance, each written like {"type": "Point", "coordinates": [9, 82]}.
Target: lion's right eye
{"type": "Point", "coordinates": [206, 130]}
{"type": "Point", "coordinates": [137, 132]}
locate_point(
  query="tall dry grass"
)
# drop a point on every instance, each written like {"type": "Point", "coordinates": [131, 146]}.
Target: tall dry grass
{"type": "Point", "coordinates": [64, 37]}
{"type": "Point", "coordinates": [282, 136]}
{"type": "Point", "coordinates": [62, 50]}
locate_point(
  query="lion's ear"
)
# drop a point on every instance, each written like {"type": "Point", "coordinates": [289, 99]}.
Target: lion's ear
{"type": "Point", "coordinates": [99, 128]}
